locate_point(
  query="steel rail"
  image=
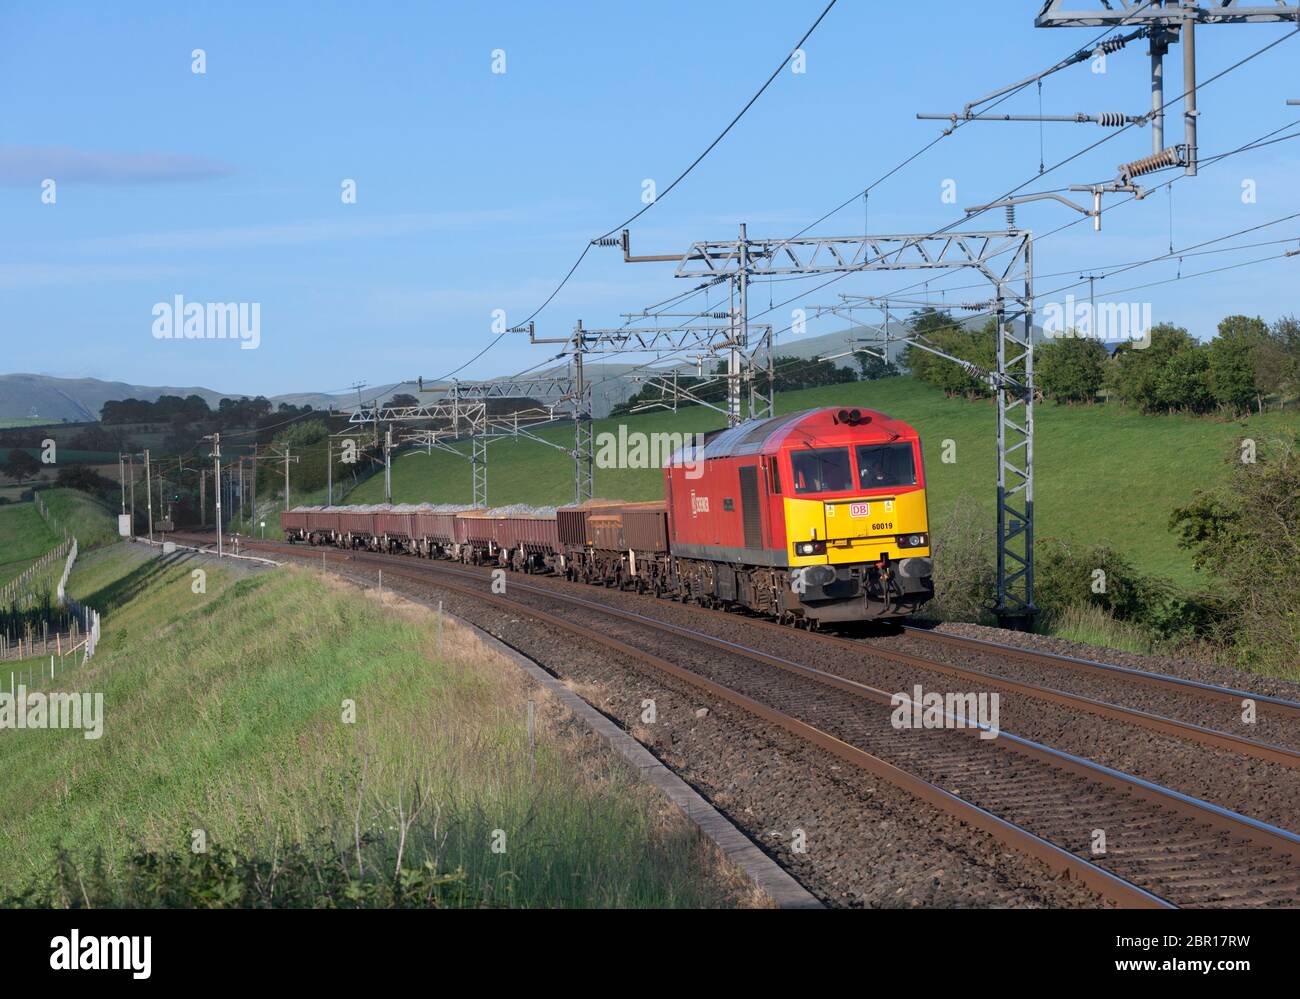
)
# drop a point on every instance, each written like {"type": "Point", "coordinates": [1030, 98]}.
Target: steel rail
{"type": "Point", "coordinates": [1290, 709]}
{"type": "Point", "coordinates": [1124, 893]}
{"type": "Point", "coordinates": [1261, 833]}
{"type": "Point", "coordinates": [1237, 825]}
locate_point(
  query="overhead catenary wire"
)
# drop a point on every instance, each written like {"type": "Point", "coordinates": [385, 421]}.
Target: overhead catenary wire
{"type": "Point", "coordinates": [863, 193]}
{"type": "Point", "coordinates": [997, 98]}
{"type": "Point", "coordinates": [1060, 163]}
{"type": "Point", "coordinates": [658, 198]}
{"type": "Point", "coordinates": [972, 215]}
{"type": "Point", "coordinates": [1267, 139]}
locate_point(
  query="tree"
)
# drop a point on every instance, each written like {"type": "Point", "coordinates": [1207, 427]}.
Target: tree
{"type": "Point", "coordinates": [1170, 374]}
{"type": "Point", "coordinates": [1277, 363]}
{"type": "Point", "coordinates": [303, 433]}
{"type": "Point", "coordinates": [21, 465]}
{"type": "Point", "coordinates": [924, 322]}
{"type": "Point", "coordinates": [87, 480]}
{"type": "Point", "coordinates": [873, 367]}
{"type": "Point", "coordinates": [791, 373]}
{"type": "Point", "coordinates": [1232, 364]}
{"type": "Point", "coordinates": [1247, 533]}
{"type": "Point", "coordinates": [402, 400]}
{"type": "Point", "coordinates": [942, 332]}
{"type": "Point", "coordinates": [1071, 368]}
{"type": "Point", "coordinates": [1184, 382]}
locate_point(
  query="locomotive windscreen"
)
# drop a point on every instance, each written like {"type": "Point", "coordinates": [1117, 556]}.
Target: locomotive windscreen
{"type": "Point", "coordinates": [823, 470]}
{"type": "Point", "coordinates": [885, 466]}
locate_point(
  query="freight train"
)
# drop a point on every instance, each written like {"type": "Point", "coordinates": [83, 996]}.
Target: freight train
{"type": "Point", "coordinates": [812, 517]}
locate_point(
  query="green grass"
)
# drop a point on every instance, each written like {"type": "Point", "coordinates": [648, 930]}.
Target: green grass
{"type": "Point", "coordinates": [91, 521]}
{"type": "Point", "coordinates": [1104, 474]}
{"type": "Point", "coordinates": [1093, 626]}
{"type": "Point", "coordinates": [223, 712]}
{"type": "Point", "coordinates": [24, 537]}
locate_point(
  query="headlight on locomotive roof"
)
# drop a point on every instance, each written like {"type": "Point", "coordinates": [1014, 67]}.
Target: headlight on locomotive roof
{"type": "Point", "coordinates": [912, 540]}
{"type": "Point", "coordinates": [810, 548]}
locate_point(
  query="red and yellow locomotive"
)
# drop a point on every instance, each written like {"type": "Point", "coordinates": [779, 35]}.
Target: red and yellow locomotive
{"type": "Point", "coordinates": [811, 517]}
{"type": "Point", "coordinates": [815, 516]}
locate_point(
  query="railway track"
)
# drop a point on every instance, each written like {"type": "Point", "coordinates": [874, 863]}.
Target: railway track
{"type": "Point", "coordinates": [1171, 688]}
{"type": "Point", "coordinates": [1163, 847]}
{"type": "Point", "coordinates": [1164, 724]}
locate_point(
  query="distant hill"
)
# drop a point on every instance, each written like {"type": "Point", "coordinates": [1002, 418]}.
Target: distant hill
{"type": "Point", "coordinates": [80, 399]}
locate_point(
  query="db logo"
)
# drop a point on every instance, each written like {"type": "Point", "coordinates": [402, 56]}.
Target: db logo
{"type": "Point", "coordinates": [859, 509]}
{"type": "Point", "coordinates": [699, 504]}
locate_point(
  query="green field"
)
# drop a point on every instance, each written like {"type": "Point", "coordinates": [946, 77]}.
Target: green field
{"type": "Point", "coordinates": [24, 537]}
{"type": "Point", "coordinates": [1104, 474]}
{"type": "Point", "coordinates": [224, 711]}
{"type": "Point", "coordinates": [91, 521]}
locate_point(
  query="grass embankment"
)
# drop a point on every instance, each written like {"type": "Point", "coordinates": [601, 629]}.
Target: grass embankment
{"type": "Point", "coordinates": [90, 520]}
{"type": "Point", "coordinates": [1105, 474]}
{"type": "Point", "coordinates": [225, 712]}
{"type": "Point", "coordinates": [25, 535]}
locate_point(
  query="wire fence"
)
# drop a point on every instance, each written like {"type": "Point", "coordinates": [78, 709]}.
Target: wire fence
{"type": "Point", "coordinates": [46, 516]}
{"type": "Point", "coordinates": [36, 626]}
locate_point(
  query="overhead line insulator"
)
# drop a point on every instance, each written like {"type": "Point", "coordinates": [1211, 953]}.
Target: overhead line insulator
{"type": "Point", "coordinates": [1169, 157]}
{"type": "Point", "coordinates": [1113, 45]}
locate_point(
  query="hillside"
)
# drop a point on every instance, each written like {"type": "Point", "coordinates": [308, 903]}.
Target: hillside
{"type": "Point", "coordinates": [46, 399]}
{"type": "Point", "coordinates": [25, 536]}
{"type": "Point", "coordinates": [251, 750]}
{"type": "Point", "coordinates": [1105, 474]}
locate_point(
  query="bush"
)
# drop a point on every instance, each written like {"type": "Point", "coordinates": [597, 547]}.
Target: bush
{"type": "Point", "coordinates": [965, 577]}
{"type": "Point", "coordinates": [316, 875]}
{"type": "Point", "coordinates": [87, 480]}
{"type": "Point", "coordinates": [1172, 374]}
{"type": "Point", "coordinates": [1071, 368]}
{"type": "Point", "coordinates": [1066, 575]}
{"type": "Point", "coordinates": [1247, 533]}
{"type": "Point", "coordinates": [1070, 578]}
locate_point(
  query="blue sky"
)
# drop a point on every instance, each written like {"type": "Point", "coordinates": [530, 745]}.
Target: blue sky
{"type": "Point", "coordinates": [477, 190]}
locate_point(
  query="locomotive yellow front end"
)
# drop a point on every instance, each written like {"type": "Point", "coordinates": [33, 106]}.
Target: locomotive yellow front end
{"type": "Point", "coordinates": [857, 525]}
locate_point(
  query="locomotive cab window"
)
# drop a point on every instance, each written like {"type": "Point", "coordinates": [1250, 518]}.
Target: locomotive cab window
{"type": "Point", "coordinates": [824, 470]}
{"type": "Point", "coordinates": [885, 466]}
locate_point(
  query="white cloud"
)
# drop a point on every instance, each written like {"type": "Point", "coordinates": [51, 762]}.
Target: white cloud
{"type": "Point", "coordinates": [25, 275]}
{"type": "Point", "coordinates": [285, 233]}
{"type": "Point", "coordinates": [32, 164]}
